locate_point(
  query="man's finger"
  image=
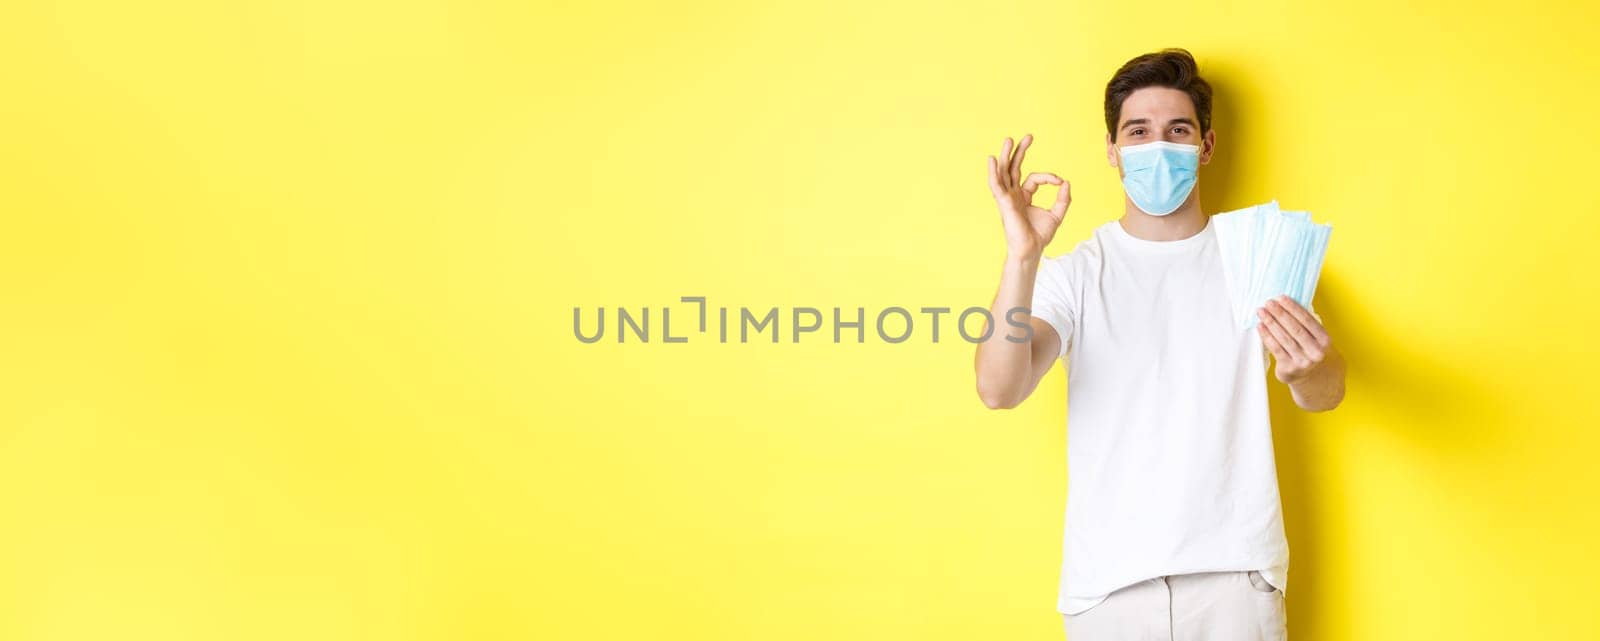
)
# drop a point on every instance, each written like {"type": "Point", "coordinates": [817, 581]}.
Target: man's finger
{"type": "Point", "coordinates": [1005, 165]}
{"type": "Point", "coordinates": [1063, 199]}
{"type": "Point", "coordinates": [1016, 163]}
{"type": "Point", "coordinates": [1038, 178]}
{"type": "Point", "coordinates": [1297, 332]}
{"type": "Point", "coordinates": [1282, 336]}
{"type": "Point", "coordinates": [994, 179]}
{"type": "Point", "coordinates": [1310, 322]}
{"type": "Point", "coordinates": [1272, 344]}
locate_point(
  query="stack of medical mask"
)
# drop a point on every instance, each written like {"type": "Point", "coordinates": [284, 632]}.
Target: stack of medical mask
{"type": "Point", "coordinates": [1266, 253]}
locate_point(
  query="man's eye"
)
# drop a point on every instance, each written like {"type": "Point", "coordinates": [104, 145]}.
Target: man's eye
{"type": "Point", "coordinates": [1137, 132]}
{"type": "Point", "coordinates": [1179, 130]}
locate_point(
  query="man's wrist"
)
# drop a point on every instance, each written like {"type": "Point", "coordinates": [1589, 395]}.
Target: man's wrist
{"type": "Point", "coordinates": [1023, 259]}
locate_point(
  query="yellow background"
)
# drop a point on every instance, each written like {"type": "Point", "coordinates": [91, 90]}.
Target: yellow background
{"type": "Point", "coordinates": [288, 290]}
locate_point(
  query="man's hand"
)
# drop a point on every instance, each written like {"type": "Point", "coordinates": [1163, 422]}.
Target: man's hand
{"type": "Point", "coordinates": [1306, 358]}
{"type": "Point", "coordinates": [1028, 228]}
{"type": "Point", "coordinates": [1009, 371]}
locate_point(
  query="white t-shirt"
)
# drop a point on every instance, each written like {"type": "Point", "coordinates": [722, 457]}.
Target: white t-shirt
{"type": "Point", "coordinates": [1170, 467]}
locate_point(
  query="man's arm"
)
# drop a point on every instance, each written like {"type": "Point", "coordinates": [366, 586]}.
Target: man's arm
{"type": "Point", "coordinates": [1007, 370]}
{"type": "Point", "coordinates": [1307, 360]}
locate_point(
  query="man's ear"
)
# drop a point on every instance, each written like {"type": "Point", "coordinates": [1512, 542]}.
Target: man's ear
{"type": "Point", "coordinates": [1208, 145]}
{"type": "Point", "coordinates": [1111, 151]}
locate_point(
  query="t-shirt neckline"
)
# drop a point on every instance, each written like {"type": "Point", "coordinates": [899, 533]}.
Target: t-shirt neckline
{"type": "Point", "coordinates": [1160, 245]}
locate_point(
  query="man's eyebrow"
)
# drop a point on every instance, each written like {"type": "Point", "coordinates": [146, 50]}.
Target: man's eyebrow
{"type": "Point", "coordinates": [1146, 121]}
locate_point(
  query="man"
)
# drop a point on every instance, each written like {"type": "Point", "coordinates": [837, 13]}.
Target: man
{"type": "Point", "coordinates": [1174, 527]}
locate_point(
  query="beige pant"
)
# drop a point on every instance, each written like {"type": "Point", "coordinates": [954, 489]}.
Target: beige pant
{"type": "Point", "coordinates": [1206, 606]}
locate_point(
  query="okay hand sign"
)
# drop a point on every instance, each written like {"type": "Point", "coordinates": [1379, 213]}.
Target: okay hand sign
{"type": "Point", "coordinates": [1028, 228]}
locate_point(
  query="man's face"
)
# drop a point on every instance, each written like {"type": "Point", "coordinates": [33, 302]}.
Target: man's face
{"type": "Point", "coordinates": [1158, 113]}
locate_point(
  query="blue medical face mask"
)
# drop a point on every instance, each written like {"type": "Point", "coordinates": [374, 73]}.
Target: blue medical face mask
{"type": "Point", "coordinates": [1159, 175]}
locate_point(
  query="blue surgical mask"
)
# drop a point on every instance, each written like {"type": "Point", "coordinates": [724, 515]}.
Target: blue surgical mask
{"type": "Point", "coordinates": [1159, 175]}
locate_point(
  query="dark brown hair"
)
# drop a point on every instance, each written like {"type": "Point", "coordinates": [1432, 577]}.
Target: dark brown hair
{"type": "Point", "coordinates": [1172, 68]}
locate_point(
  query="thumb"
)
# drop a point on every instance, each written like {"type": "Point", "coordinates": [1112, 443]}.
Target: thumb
{"type": "Point", "coordinates": [1063, 200]}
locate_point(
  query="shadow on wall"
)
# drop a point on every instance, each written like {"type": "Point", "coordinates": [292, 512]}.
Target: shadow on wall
{"type": "Point", "coordinates": [1219, 178]}
{"type": "Point", "coordinates": [1417, 394]}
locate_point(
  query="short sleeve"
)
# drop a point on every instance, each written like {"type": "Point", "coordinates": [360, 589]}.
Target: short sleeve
{"type": "Point", "coordinates": [1053, 299]}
